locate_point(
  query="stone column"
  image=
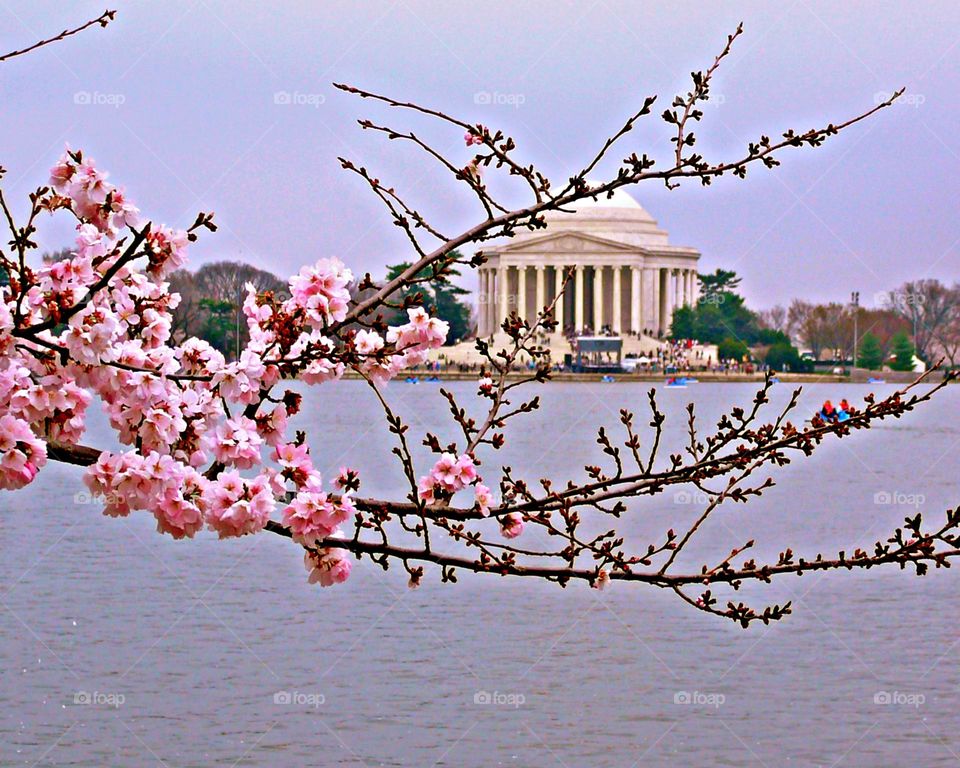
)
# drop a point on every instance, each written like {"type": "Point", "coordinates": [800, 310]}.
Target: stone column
{"type": "Point", "coordinates": [558, 291]}
{"type": "Point", "coordinates": [694, 286]}
{"type": "Point", "coordinates": [636, 300]}
{"type": "Point", "coordinates": [541, 287]}
{"type": "Point", "coordinates": [617, 299]}
{"type": "Point", "coordinates": [522, 291]}
{"type": "Point", "coordinates": [504, 293]}
{"type": "Point", "coordinates": [495, 278]}
{"type": "Point", "coordinates": [597, 298]}
{"type": "Point", "coordinates": [661, 287]}
{"type": "Point", "coordinates": [578, 299]}
{"type": "Point", "coordinates": [648, 300]}
{"type": "Point", "coordinates": [482, 303]}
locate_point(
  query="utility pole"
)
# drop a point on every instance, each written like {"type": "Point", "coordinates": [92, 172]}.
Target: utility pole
{"type": "Point", "coordinates": [855, 301]}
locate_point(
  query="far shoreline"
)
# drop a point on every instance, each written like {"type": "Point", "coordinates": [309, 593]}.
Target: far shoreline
{"type": "Point", "coordinates": [702, 377]}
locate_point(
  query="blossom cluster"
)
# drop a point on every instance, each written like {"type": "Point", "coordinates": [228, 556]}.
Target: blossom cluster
{"type": "Point", "coordinates": [451, 474]}
{"type": "Point", "coordinates": [204, 441]}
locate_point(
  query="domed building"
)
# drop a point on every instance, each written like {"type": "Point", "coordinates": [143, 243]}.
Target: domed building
{"type": "Point", "coordinates": [627, 277]}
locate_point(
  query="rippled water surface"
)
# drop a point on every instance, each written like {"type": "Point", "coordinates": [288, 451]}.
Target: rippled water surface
{"type": "Point", "coordinates": [181, 648]}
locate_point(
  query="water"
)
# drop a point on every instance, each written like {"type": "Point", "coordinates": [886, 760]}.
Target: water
{"type": "Point", "coordinates": [182, 648]}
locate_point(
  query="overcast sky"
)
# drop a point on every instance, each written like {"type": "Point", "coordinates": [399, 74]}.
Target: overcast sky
{"type": "Point", "coordinates": [178, 100]}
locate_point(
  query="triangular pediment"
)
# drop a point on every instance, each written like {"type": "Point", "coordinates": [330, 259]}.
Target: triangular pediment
{"type": "Point", "coordinates": [566, 242]}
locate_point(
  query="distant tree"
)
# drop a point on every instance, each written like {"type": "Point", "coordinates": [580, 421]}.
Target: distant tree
{"type": "Point", "coordinates": [775, 319]}
{"type": "Point", "coordinates": [436, 291]}
{"type": "Point", "coordinates": [52, 257]}
{"type": "Point", "coordinates": [211, 299]}
{"type": "Point", "coordinates": [783, 356]}
{"type": "Point", "coordinates": [948, 337]}
{"type": "Point", "coordinates": [769, 336]}
{"type": "Point", "coordinates": [683, 324]}
{"type": "Point", "coordinates": [718, 282]}
{"type": "Point", "coordinates": [927, 305]}
{"type": "Point", "coordinates": [732, 349]}
{"type": "Point", "coordinates": [903, 352]}
{"type": "Point", "coordinates": [186, 317]}
{"type": "Point", "coordinates": [824, 327]}
{"type": "Point", "coordinates": [884, 324]}
{"type": "Point", "coordinates": [218, 324]}
{"type": "Point", "coordinates": [870, 353]}
{"type": "Point", "coordinates": [720, 313]}
{"type": "Point", "coordinates": [797, 313]}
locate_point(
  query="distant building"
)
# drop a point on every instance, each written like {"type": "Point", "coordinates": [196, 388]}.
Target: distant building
{"type": "Point", "coordinates": [628, 278]}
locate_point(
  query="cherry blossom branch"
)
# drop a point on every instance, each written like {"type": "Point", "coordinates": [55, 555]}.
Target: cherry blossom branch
{"type": "Point", "coordinates": [102, 20]}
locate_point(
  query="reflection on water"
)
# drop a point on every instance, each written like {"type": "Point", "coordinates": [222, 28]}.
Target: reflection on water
{"type": "Point", "coordinates": [120, 647]}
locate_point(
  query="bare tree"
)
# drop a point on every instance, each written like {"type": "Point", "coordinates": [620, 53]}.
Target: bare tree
{"type": "Point", "coordinates": [219, 281]}
{"type": "Point", "coordinates": [775, 319]}
{"type": "Point", "coordinates": [927, 305]}
{"type": "Point", "coordinates": [947, 337]}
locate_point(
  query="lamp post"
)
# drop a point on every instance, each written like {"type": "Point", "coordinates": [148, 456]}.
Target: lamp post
{"type": "Point", "coordinates": [855, 301]}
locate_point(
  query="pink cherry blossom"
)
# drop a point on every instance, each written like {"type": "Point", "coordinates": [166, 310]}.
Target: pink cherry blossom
{"type": "Point", "coordinates": [321, 290]}
{"type": "Point", "coordinates": [602, 580]}
{"type": "Point", "coordinates": [313, 515]}
{"type": "Point", "coordinates": [484, 498]}
{"type": "Point", "coordinates": [511, 525]}
{"type": "Point", "coordinates": [328, 566]}
{"type": "Point", "coordinates": [21, 453]}
{"type": "Point", "coordinates": [237, 507]}
{"type": "Point", "coordinates": [238, 443]}
{"type": "Point", "coordinates": [367, 342]}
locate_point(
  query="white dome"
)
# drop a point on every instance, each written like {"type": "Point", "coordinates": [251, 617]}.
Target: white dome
{"type": "Point", "coordinates": [619, 217]}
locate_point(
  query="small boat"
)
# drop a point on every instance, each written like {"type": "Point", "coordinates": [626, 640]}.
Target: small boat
{"type": "Point", "coordinates": [873, 380]}
{"type": "Point", "coordinates": [607, 379]}
{"type": "Point", "coordinates": [774, 380]}
{"type": "Point", "coordinates": [412, 380]}
{"type": "Point", "coordinates": [676, 383]}
{"type": "Point", "coordinates": [433, 379]}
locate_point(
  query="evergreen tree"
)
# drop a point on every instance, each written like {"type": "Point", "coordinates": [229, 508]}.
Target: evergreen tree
{"type": "Point", "coordinates": [870, 353]}
{"type": "Point", "coordinates": [719, 282]}
{"type": "Point", "coordinates": [683, 324]}
{"type": "Point", "coordinates": [902, 353]}
{"type": "Point", "coordinates": [439, 294]}
{"type": "Point", "coordinates": [719, 314]}
{"type": "Point", "coordinates": [783, 356]}
{"type": "Point", "coordinates": [732, 349]}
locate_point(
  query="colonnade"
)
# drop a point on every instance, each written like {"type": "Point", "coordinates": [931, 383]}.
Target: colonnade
{"type": "Point", "coordinates": [614, 297]}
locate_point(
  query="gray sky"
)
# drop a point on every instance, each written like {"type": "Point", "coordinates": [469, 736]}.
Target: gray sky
{"type": "Point", "coordinates": [199, 127]}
